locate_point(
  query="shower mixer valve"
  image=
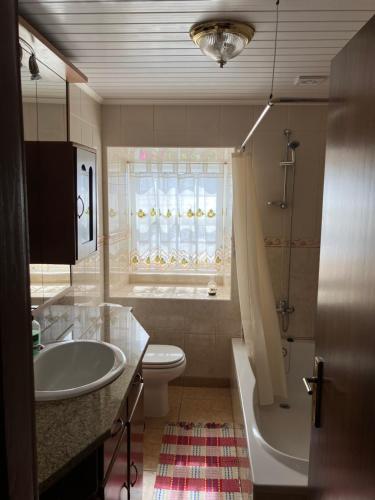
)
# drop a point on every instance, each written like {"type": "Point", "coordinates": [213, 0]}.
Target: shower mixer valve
{"type": "Point", "coordinates": [284, 308]}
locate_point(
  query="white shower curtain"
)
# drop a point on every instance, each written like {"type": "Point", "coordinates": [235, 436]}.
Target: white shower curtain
{"type": "Point", "coordinates": [257, 303]}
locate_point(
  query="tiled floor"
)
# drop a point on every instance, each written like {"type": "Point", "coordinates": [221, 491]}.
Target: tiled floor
{"type": "Point", "coordinates": [187, 404]}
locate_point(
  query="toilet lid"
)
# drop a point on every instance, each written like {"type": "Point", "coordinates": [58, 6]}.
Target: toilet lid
{"type": "Point", "coordinates": [163, 355]}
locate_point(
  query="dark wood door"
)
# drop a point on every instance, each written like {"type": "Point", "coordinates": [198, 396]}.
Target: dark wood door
{"type": "Point", "coordinates": [342, 456]}
{"type": "Point", "coordinates": [17, 445]}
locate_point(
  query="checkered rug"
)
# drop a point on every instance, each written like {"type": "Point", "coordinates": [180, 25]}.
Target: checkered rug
{"type": "Point", "coordinates": [202, 462]}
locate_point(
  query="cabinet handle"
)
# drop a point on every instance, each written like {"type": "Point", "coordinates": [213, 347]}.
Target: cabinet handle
{"type": "Point", "coordinates": [83, 206]}
{"type": "Point", "coordinates": [138, 379]}
{"type": "Point", "coordinates": [117, 426]}
{"type": "Point", "coordinates": [132, 483]}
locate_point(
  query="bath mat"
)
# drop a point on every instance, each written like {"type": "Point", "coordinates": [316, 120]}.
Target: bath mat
{"type": "Point", "coordinates": [202, 462]}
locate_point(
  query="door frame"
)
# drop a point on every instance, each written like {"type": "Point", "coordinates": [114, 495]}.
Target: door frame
{"type": "Point", "coordinates": [17, 419]}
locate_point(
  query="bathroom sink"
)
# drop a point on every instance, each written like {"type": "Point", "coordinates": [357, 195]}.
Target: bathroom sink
{"type": "Point", "coordinates": [68, 369]}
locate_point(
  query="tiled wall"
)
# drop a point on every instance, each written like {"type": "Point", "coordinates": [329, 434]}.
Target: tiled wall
{"type": "Point", "coordinates": [44, 122]}
{"type": "Point", "coordinates": [203, 328]}
{"type": "Point", "coordinates": [85, 128]}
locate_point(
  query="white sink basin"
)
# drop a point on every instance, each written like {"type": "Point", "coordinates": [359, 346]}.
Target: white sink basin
{"type": "Point", "coordinates": [68, 369]}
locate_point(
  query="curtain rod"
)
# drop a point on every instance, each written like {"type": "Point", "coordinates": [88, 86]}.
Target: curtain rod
{"type": "Point", "coordinates": [281, 100]}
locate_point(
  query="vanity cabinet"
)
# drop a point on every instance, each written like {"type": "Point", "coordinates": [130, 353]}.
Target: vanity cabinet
{"type": "Point", "coordinates": [123, 451]}
{"type": "Point", "coordinates": [114, 469]}
{"type": "Point", "coordinates": [62, 201]}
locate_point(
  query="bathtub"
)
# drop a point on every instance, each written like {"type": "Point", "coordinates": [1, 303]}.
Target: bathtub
{"type": "Point", "coordinates": [277, 437]}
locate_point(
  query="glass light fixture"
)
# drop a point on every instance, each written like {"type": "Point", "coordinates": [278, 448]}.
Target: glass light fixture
{"type": "Point", "coordinates": [221, 40]}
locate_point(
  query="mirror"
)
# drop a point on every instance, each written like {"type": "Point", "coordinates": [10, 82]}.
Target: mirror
{"type": "Point", "coordinates": [45, 119]}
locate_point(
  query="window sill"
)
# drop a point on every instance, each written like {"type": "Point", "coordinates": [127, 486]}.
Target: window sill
{"type": "Point", "coordinates": [181, 292]}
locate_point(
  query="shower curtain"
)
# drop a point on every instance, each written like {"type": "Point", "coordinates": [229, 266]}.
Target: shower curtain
{"type": "Point", "coordinates": [257, 303]}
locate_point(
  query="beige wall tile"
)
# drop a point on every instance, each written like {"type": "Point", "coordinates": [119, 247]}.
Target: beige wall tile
{"type": "Point", "coordinates": [308, 118]}
{"type": "Point", "coordinates": [111, 132]}
{"type": "Point", "coordinates": [75, 100]}
{"type": "Point", "coordinates": [170, 139]}
{"type": "Point", "coordinates": [137, 125]}
{"type": "Point", "coordinates": [235, 123]}
{"type": "Point", "coordinates": [90, 110]}
{"type": "Point", "coordinates": [308, 187]}
{"type": "Point", "coordinates": [87, 134]}
{"type": "Point", "coordinates": [269, 180]}
{"type": "Point", "coordinates": [304, 288]}
{"type": "Point", "coordinates": [200, 317]}
{"type": "Point", "coordinates": [200, 355]}
{"type": "Point", "coordinates": [278, 265]}
{"type": "Point", "coordinates": [30, 123]}
{"type": "Point", "coordinates": [75, 129]}
{"type": "Point", "coordinates": [52, 123]}
{"type": "Point", "coordinates": [171, 119]}
{"type": "Point", "coordinates": [203, 126]}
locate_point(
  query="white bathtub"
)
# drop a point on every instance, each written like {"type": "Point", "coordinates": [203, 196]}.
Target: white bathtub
{"type": "Point", "coordinates": [277, 439]}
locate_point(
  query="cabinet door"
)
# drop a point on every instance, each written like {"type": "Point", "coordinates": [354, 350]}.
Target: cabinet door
{"type": "Point", "coordinates": [116, 466]}
{"type": "Point", "coordinates": [136, 434]}
{"type": "Point", "coordinates": [51, 193]}
{"type": "Point", "coordinates": [86, 202]}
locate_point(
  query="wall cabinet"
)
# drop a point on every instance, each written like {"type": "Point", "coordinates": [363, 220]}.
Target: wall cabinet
{"type": "Point", "coordinates": [62, 201]}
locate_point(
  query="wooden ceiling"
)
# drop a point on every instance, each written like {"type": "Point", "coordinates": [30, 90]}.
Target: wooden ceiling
{"type": "Point", "coordinates": [140, 51]}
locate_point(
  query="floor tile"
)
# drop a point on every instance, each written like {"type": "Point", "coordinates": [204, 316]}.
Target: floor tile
{"type": "Point", "coordinates": [205, 393]}
{"type": "Point", "coordinates": [201, 410]}
{"type": "Point", "coordinates": [151, 456]}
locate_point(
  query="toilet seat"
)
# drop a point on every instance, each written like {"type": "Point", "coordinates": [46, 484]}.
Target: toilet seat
{"type": "Point", "coordinates": [163, 357]}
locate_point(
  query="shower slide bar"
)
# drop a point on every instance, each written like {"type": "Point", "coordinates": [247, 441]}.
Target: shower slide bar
{"type": "Point", "coordinates": [290, 146]}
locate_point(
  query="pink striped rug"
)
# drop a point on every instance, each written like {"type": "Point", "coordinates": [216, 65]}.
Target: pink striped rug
{"type": "Point", "coordinates": [202, 462]}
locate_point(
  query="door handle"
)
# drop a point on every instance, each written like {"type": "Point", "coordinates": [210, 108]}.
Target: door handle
{"type": "Point", "coordinates": [83, 206]}
{"type": "Point", "coordinates": [314, 387]}
{"type": "Point", "coordinates": [308, 381]}
{"type": "Point", "coordinates": [133, 483]}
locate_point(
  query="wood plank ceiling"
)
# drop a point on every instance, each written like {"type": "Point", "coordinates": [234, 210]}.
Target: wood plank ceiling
{"type": "Point", "coordinates": [140, 51]}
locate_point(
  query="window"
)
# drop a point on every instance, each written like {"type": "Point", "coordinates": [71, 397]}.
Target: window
{"type": "Point", "coordinates": [179, 210]}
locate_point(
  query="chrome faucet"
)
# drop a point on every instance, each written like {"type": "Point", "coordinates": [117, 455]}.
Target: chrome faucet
{"type": "Point", "coordinates": [284, 309]}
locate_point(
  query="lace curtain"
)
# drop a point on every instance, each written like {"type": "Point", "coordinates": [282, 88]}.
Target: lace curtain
{"type": "Point", "coordinates": [178, 215]}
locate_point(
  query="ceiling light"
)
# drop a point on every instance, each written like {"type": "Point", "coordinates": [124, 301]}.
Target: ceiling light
{"type": "Point", "coordinates": [221, 40]}
{"type": "Point", "coordinates": [34, 68]}
{"type": "Point", "coordinates": [33, 65]}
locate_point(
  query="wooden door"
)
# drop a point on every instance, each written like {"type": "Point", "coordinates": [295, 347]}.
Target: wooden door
{"type": "Point", "coordinates": [342, 455]}
{"type": "Point", "coordinates": [17, 444]}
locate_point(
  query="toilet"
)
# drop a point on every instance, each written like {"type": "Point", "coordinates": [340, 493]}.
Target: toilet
{"type": "Point", "coordinates": [161, 364]}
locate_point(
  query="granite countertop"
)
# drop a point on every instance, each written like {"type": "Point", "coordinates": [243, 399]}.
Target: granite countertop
{"type": "Point", "coordinates": [68, 429]}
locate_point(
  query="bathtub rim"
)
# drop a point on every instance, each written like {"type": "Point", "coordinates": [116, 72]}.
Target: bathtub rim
{"type": "Point", "coordinates": [269, 466]}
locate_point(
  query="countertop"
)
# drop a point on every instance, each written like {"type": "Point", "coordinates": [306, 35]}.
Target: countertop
{"type": "Point", "coordinates": [68, 429]}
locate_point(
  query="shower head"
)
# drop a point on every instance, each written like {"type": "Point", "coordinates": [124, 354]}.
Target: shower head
{"type": "Point", "coordinates": [293, 145]}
